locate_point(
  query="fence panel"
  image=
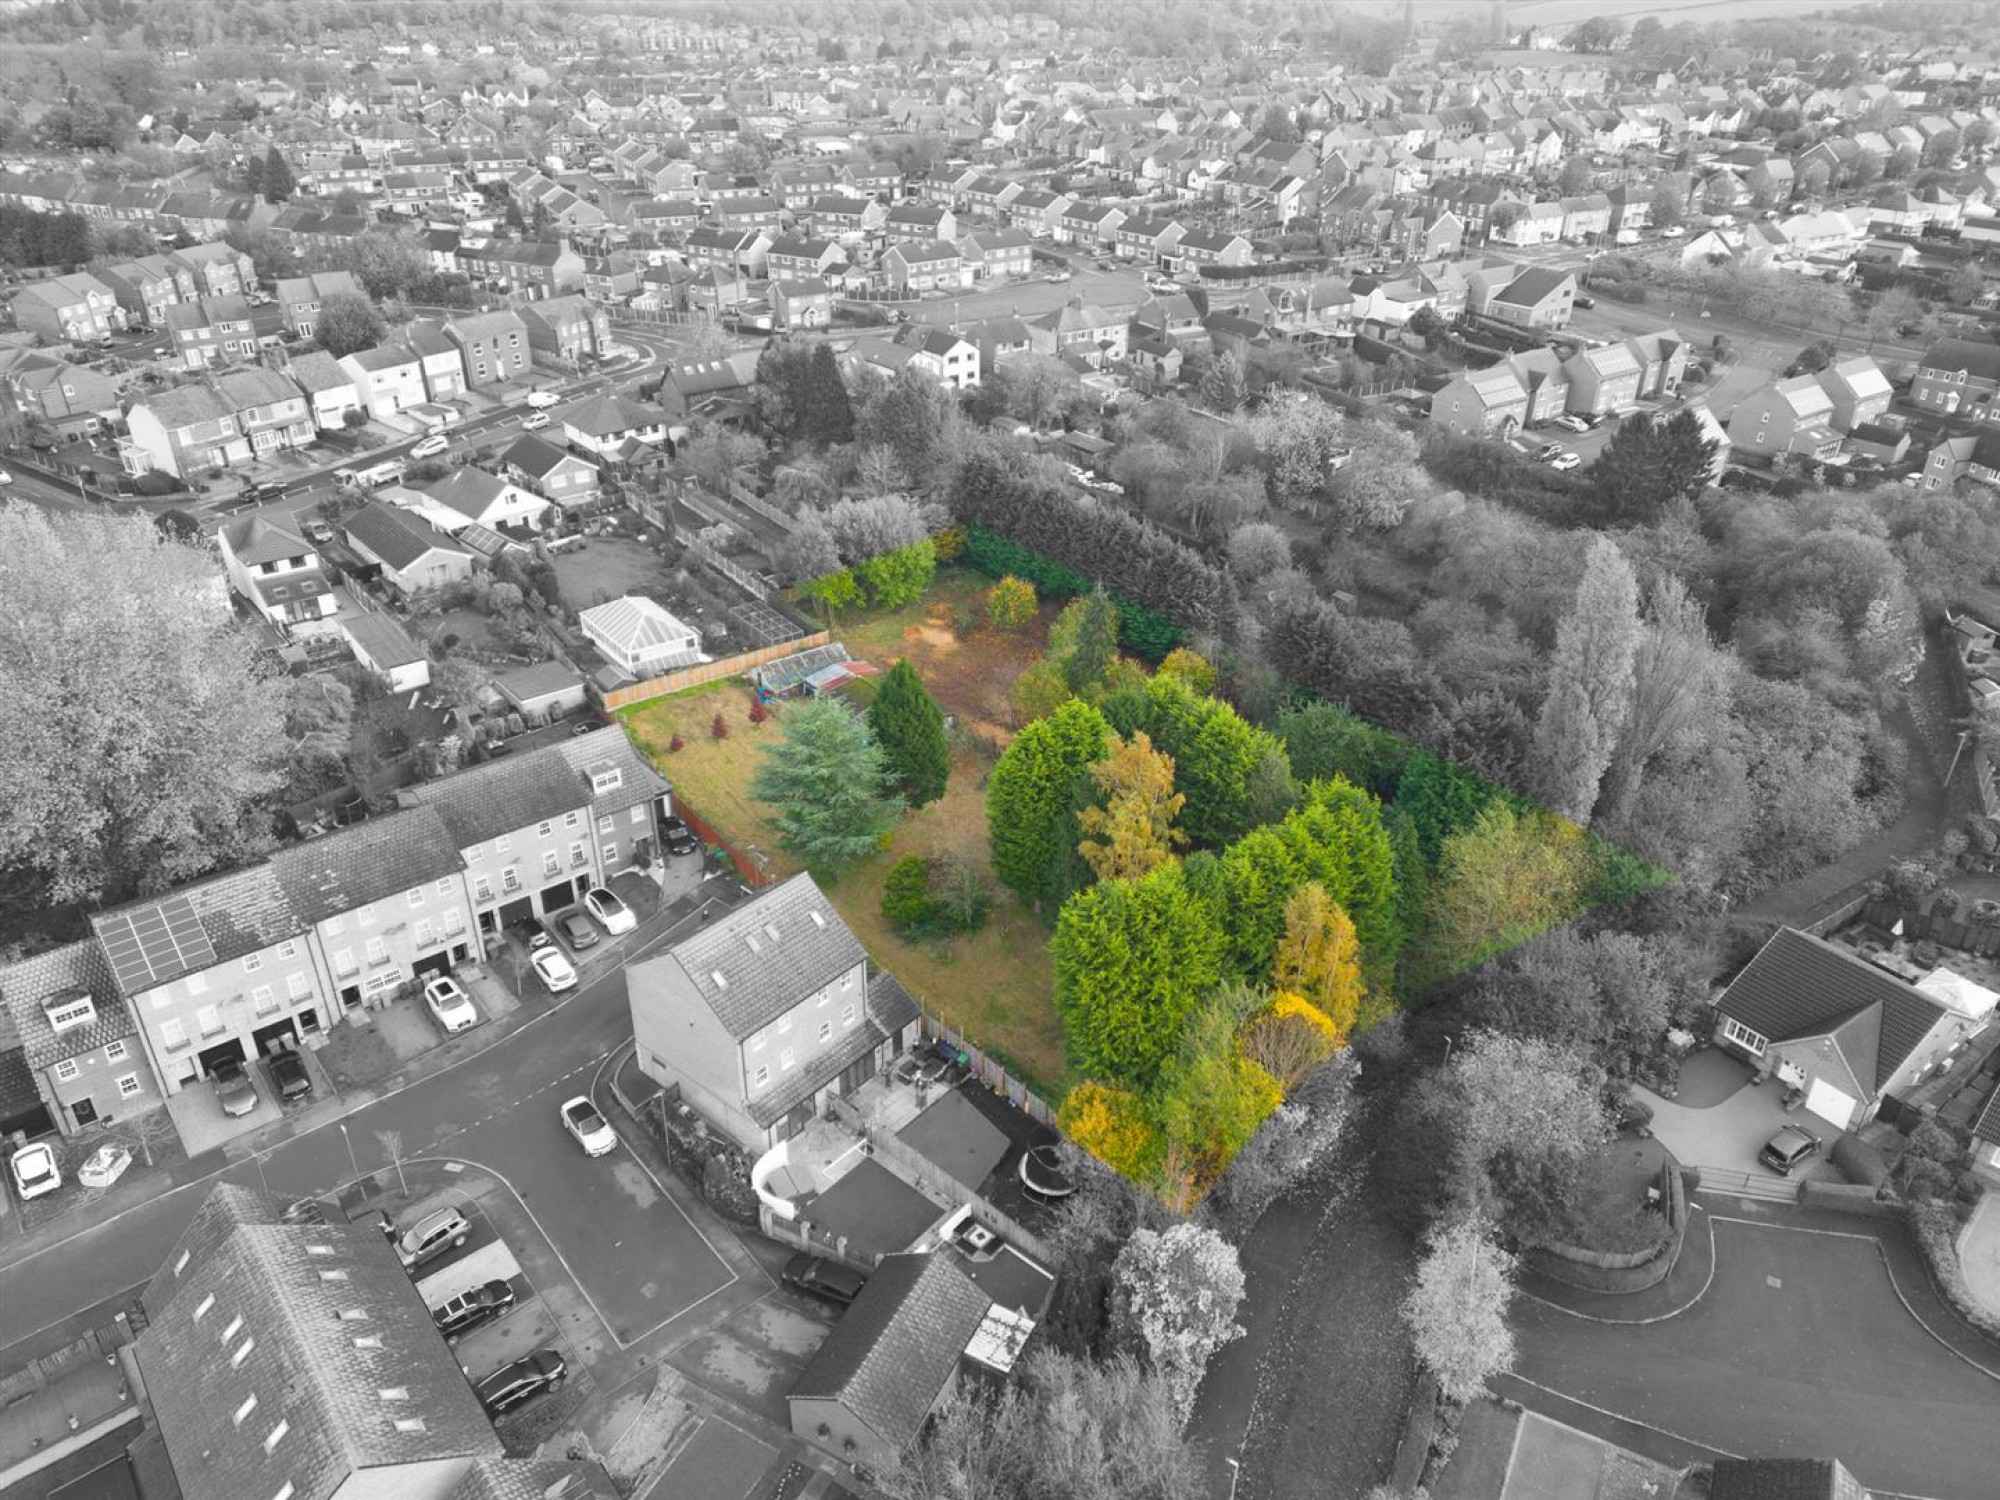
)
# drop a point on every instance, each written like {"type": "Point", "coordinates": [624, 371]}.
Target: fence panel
{"type": "Point", "coordinates": [708, 671]}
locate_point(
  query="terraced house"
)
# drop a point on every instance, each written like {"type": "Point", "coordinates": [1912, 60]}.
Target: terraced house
{"type": "Point", "coordinates": [78, 1060]}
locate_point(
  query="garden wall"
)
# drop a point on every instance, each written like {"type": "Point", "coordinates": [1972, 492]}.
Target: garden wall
{"type": "Point", "coordinates": [1845, 1197]}
{"type": "Point", "coordinates": [990, 1071]}
{"type": "Point", "coordinates": [1629, 1270]}
{"type": "Point", "coordinates": [708, 671]}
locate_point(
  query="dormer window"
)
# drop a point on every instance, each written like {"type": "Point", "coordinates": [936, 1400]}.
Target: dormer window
{"type": "Point", "coordinates": [67, 1012]}
{"type": "Point", "coordinates": [606, 779]}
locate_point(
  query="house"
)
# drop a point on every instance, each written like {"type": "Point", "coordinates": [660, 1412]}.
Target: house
{"type": "Point", "coordinates": [801, 304]}
{"type": "Point", "coordinates": [561, 478]}
{"type": "Point", "coordinates": [1202, 247]}
{"type": "Point", "coordinates": [539, 268]}
{"type": "Point", "coordinates": [948, 358]}
{"type": "Point", "coordinates": [1784, 1479]}
{"type": "Point", "coordinates": [328, 389]}
{"type": "Point", "coordinates": [182, 432]}
{"type": "Point", "coordinates": [740, 250]}
{"type": "Point", "coordinates": [639, 637]}
{"type": "Point", "coordinates": [1958, 377]}
{"type": "Point", "coordinates": [1822, 1019]}
{"type": "Point", "coordinates": [1037, 211]}
{"type": "Point", "coordinates": [1149, 240]}
{"type": "Point", "coordinates": [271, 411]}
{"type": "Point", "coordinates": [212, 330]}
{"type": "Point", "coordinates": [411, 553]}
{"type": "Point", "coordinates": [796, 258]}
{"type": "Point", "coordinates": [146, 288]}
{"type": "Point", "coordinates": [1662, 359]}
{"type": "Point", "coordinates": [616, 427]}
{"type": "Point", "coordinates": [998, 254]}
{"type": "Point", "coordinates": [892, 1358]}
{"type": "Point", "coordinates": [1095, 334]}
{"type": "Point", "coordinates": [1546, 378]}
{"type": "Point", "coordinates": [1785, 417]}
{"type": "Point", "coordinates": [1858, 389]}
{"type": "Point", "coordinates": [70, 398]}
{"type": "Point", "coordinates": [387, 379]}
{"type": "Point", "coordinates": [301, 298]}
{"type": "Point", "coordinates": [919, 223]}
{"type": "Point", "coordinates": [763, 1014]}
{"type": "Point", "coordinates": [1090, 223]}
{"type": "Point", "coordinates": [275, 570]}
{"type": "Point", "coordinates": [218, 270]}
{"type": "Point", "coordinates": [567, 328]}
{"type": "Point", "coordinates": [438, 360]}
{"type": "Point", "coordinates": [838, 217]}
{"type": "Point", "coordinates": [1482, 403]}
{"type": "Point", "coordinates": [493, 347]}
{"type": "Point", "coordinates": [1602, 380]}
{"type": "Point", "coordinates": [474, 497]}
{"type": "Point", "coordinates": [1540, 297]}
{"type": "Point", "coordinates": [925, 267]}
{"type": "Point", "coordinates": [1950, 459]}
{"type": "Point", "coordinates": [381, 645]}
{"type": "Point", "coordinates": [77, 1042]}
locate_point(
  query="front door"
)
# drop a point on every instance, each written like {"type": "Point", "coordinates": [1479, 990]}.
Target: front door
{"type": "Point", "coordinates": [83, 1111]}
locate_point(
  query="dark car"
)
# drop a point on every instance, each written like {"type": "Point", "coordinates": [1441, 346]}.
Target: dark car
{"type": "Point", "coordinates": [233, 1089]}
{"type": "Point", "coordinates": [679, 837]}
{"type": "Point", "coordinates": [523, 1380]}
{"type": "Point", "coordinates": [470, 1309]}
{"type": "Point", "coordinates": [1788, 1150]}
{"type": "Point", "coordinates": [1583, 301]}
{"type": "Point", "coordinates": [289, 1076]}
{"type": "Point", "coordinates": [823, 1279]}
{"type": "Point", "coordinates": [576, 927]}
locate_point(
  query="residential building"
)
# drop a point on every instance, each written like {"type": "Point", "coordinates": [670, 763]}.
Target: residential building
{"type": "Point", "coordinates": [1603, 380]}
{"type": "Point", "coordinates": [212, 331]}
{"type": "Point", "coordinates": [1094, 334]}
{"type": "Point", "coordinates": [68, 309]}
{"type": "Point", "coordinates": [217, 269]}
{"type": "Point", "coordinates": [544, 692]}
{"type": "Point", "coordinates": [1546, 379]}
{"type": "Point", "coordinates": [438, 360]}
{"type": "Point", "coordinates": [77, 1043]}
{"type": "Point", "coordinates": [949, 358]}
{"type": "Point", "coordinates": [801, 304]}
{"type": "Point", "coordinates": [1858, 389]}
{"type": "Point", "coordinates": [182, 432]}
{"type": "Point", "coordinates": [567, 328]}
{"type": "Point", "coordinates": [271, 411]}
{"type": "Point", "coordinates": [997, 254]}
{"type": "Point", "coordinates": [914, 223]}
{"type": "Point", "coordinates": [1958, 377]}
{"type": "Point", "coordinates": [1482, 403]}
{"type": "Point", "coordinates": [411, 553]}
{"type": "Point", "coordinates": [1784, 1479]}
{"type": "Point", "coordinates": [1822, 1019]}
{"type": "Point", "coordinates": [478, 498]}
{"type": "Point", "coordinates": [615, 427]}
{"type": "Point", "coordinates": [71, 398]}
{"type": "Point", "coordinates": [1662, 359]}
{"type": "Point", "coordinates": [147, 287]}
{"type": "Point", "coordinates": [740, 250]}
{"type": "Point", "coordinates": [925, 267]}
{"type": "Point", "coordinates": [493, 347]}
{"type": "Point", "coordinates": [1540, 298]}
{"type": "Point", "coordinates": [329, 390]}
{"type": "Point", "coordinates": [638, 636]}
{"type": "Point", "coordinates": [301, 299]}
{"type": "Point", "coordinates": [843, 218]}
{"type": "Point", "coordinates": [559, 477]}
{"type": "Point", "coordinates": [277, 573]}
{"type": "Point", "coordinates": [796, 258]}
{"type": "Point", "coordinates": [1202, 247]}
{"type": "Point", "coordinates": [387, 379]}
{"type": "Point", "coordinates": [1785, 417]}
{"type": "Point", "coordinates": [763, 1014]}
{"type": "Point", "coordinates": [387, 650]}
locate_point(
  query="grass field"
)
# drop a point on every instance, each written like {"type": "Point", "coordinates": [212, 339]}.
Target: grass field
{"type": "Point", "coordinates": [995, 986]}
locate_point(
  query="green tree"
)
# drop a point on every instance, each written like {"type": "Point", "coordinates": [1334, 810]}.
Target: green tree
{"type": "Point", "coordinates": [1132, 960]}
{"type": "Point", "coordinates": [1096, 642]}
{"type": "Point", "coordinates": [1668, 206]}
{"type": "Point", "coordinates": [1505, 879]}
{"type": "Point", "coordinates": [388, 262]}
{"type": "Point", "coordinates": [1030, 798]}
{"type": "Point", "coordinates": [909, 726]}
{"type": "Point", "coordinates": [898, 578]}
{"type": "Point", "coordinates": [280, 182]}
{"type": "Point", "coordinates": [163, 769]}
{"type": "Point", "coordinates": [829, 414]}
{"type": "Point", "coordinates": [348, 323]}
{"type": "Point", "coordinates": [1210, 1100]}
{"type": "Point", "coordinates": [825, 779]}
{"type": "Point", "coordinates": [1010, 603]}
{"type": "Point", "coordinates": [1589, 684]}
{"type": "Point", "coordinates": [1216, 755]}
{"type": "Point", "coordinates": [1133, 831]}
{"type": "Point", "coordinates": [1457, 1310]}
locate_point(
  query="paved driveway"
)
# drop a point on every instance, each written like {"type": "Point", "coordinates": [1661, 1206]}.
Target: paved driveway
{"type": "Point", "coordinates": [1800, 1348]}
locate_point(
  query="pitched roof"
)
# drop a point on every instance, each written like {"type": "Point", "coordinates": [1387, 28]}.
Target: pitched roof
{"type": "Point", "coordinates": [635, 623]}
{"type": "Point", "coordinates": [1974, 356]}
{"type": "Point", "coordinates": [504, 796]}
{"type": "Point", "coordinates": [355, 866]}
{"type": "Point", "coordinates": [1532, 287]}
{"type": "Point", "coordinates": [394, 535]}
{"type": "Point", "coordinates": [208, 923]}
{"type": "Point", "coordinates": [607, 413]}
{"type": "Point", "coordinates": [534, 455]}
{"type": "Point", "coordinates": [894, 1351]}
{"type": "Point", "coordinates": [73, 969]}
{"type": "Point", "coordinates": [768, 955]}
{"type": "Point", "coordinates": [384, 642]}
{"type": "Point", "coordinates": [1801, 986]}
{"type": "Point", "coordinates": [254, 539]}
{"type": "Point", "coordinates": [1783, 1479]}
{"type": "Point", "coordinates": [325, 1404]}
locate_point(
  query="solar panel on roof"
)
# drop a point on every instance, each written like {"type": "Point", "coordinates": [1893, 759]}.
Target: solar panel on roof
{"type": "Point", "coordinates": [165, 938]}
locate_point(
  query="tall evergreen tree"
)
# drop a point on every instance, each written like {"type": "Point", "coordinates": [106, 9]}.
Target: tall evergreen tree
{"type": "Point", "coordinates": [280, 182]}
{"type": "Point", "coordinates": [825, 778]}
{"type": "Point", "coordinates": [1649, 464]}
{"type": "Point", "coordinates": [1096, 641]}
{"type": "Point", "coordinates": [1030, 798]}
{"type": "Point", "coordinates": [909, 726]}
{"type": "Point", "coordinates": [1589, 684]}
{"type": "Point", "coordinates": [829, 415]}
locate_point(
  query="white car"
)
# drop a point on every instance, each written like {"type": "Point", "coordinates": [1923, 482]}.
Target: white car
{"type": "Point", "coordinates": [534, 421]}
{"type": "Point", "coordinates": [35, 1171]}
{"type": "Point", "coordinates": [592, 1131]}
{"type": "Point", "coordinates": [1672, 232]}
{"type": "Point", "coordinates": [542, 400]}
{"type": "Point", "coordinates": [450, 1004]}
{"type": "Point", "coordinates": [1565, 462]}
{"type": "Point", "coordinates": [1569, 423]}
{"type": "Point", "coordinates": [614, 915]}
{"type": "Point", "coordinates": [431, 446]}
{"type": "Point", "coordinates": [104, 1166]}
{"type": "Point", "coordinates": [553, 969]}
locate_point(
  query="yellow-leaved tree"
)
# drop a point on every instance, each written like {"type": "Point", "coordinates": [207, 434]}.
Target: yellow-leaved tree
{"type": "Point", "coordinates": [1289, 1038]}
{"type": "Point", "coordinates": [1113, 1125]}
{"type": "Point", "coordinates": [1319, 959]}
{"type": "Point", "coordinates": [1133, 832]}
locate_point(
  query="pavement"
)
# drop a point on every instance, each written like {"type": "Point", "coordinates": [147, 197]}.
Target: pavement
{"type": "Point", "coordinates": [1979, 1252]}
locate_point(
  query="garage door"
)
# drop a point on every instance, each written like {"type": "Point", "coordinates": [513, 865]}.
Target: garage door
{"type": "Point", "coordinates": [1830, 1104]}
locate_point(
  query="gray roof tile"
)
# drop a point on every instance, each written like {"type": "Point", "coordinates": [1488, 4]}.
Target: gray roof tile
{"type": "Point", "coordinates": [771, 953]}
{"type": "Point", "coordinates": [347, 870]}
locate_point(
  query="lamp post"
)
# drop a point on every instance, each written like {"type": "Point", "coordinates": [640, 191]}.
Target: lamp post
{"type": "Point", "coordinates": [351, 1162]}
{"type": "Point", "coordinates": [1235, 1473]}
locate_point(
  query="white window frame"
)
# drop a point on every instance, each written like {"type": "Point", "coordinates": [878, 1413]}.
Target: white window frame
{"type": "Point", "coordinates": [68, 1070]}
{"type": "Point", "coordinates": [252, 962]}
{"type": "Point", "coordinates": [1750, 1041]}
{"type": "Point", "coordinates": [129, 1086]}
{"type": "Point", "coordinates": [116, 1051]}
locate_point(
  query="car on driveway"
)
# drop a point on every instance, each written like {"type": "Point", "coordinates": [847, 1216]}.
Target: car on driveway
{"type": "Point", "coordinates": [821, 1278]}
{"type": "Point", "coordinates": [449, 1004]}
{"type": "Point", "coordinates": [1057, 276]}
{"type": "Point", "coordinates": [523, 1380]}
{"type": "Point", "coordinates": [1564, 462]}
{"type": "Point", "coordinates": [1788, 1150]}
{"type": "Point", "coordinates": [593, 1132]}
{"type": "Point", "coordinates": [604, 905]}
{"type": "Point", "coordinates": [233, 1089]}
{"type": "Point", "coordinates": [678, 836]}
{"type": "Point", "coordinates": [431, 1236]}
{"type": "Point", "coordinates": [431, 446]}
{"type": "Point", "coordinates": [534, 421]}
{"type": "Point", "coordinates": [577, 929]}
{"type": "Point", "coordinates": [289, 1076]}
{"type": "Point", "coordinates": [104, 1166]}
{"type": "Point", "coordinates": [1569, 422]}
{"type": "Point", "coordinates": [555, 971]}
{"type": "Point", "coordinates": [473, 1308]}
{"type": "Point", "coordinates": [35, 1170]}
{"type": "Point", "coordinates": [317, 532]}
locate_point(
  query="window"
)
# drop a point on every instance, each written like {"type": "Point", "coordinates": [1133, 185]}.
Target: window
{"type": "Point", "coordinates": [378, 951]}
{"type": "Point", "coordinates": [826, 1031]}
{"type": "Point", "coordinates": [394, 1393]}
{"type": "Point", "coordinates": [763, 1075]}
{"type": "Point", "coordinates": [607, 780]}
{"type": "Point", "coordinates": [343, 962]}
{"type": "Point", "coordinates": [202, 1307]}
{"type": "Point", "coordinates": [409, 1424]}
{"type": "Point", "coordinates": [288, 949]}
{"type": "Point", "coordinates": [355, 1315]}
{"type": "Point", "coordinates": [510, 879]}
{"type": "Point", "coordinates": [611, 851]}
{"type": "Point", "coordinates": [277, 1433]}
{"type": "Point", "coordinates": [847, 1014]}
{"type": "Point", "coordinates": [572, 820]}
{"type": "Point", "coordinates": [249, 1405]}
{"type": "Point", "coordinates": [504, 844]}
{"type": "Point", "coordinates": [424, 938]}
{"type": "Point", "coordinates": [67, 1071]}
{"type": "Point", "coordinates": [197, 984]}
{"type": "Point", "coordinates": [444, 887]}
{"type": "Point", "coordinates": [329, 1276]}
{"type": "Point", "coordinates": [173, 1036]}
{"type": "Point", "coordinates": [786, 1058]}
{"type": "Point", "coordinates": [298, 985]}
{"type": "Point", "coordinates": [482, 888]}
{"type": "Point", "coordinates": [388, 979]}
{"type": "Point", "coordinates": [285, 1489]}
{"type": "Point", "coordinates": [115, 1051]}
{"type": "Point", "coordinates": [544, 830]}
{"type": "Point", "coordinates": [577, 857]}
{"type": "Point", "coordinates": [261, 998]}
{"type": "Point", "coordinates": [1750, 1041]}
{"type": "Point", "coordinates": [367, 916]}
{"type": "Point", "coordinates": [604, 824]}
{"type": "Point", "coordinates": [415, 897]}
{"type": "Point", "coordinates": [454, 920]}
{"type": "Point", "coordinates": [209, 1019]}
{"type": "Point", "coordinates": [235, 1327]}
{"type": "Point", "coordinates": [336, 924]}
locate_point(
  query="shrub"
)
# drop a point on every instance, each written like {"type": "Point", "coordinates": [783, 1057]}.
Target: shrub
{"type": "Point", "coordinates": [1113, 1125]}
{"type": "Point", "coordinates": [1010, 603]}
{"type": "Point", "coordinates": [676, 743]}
{"type": "Point", "coordinates": [906, 894]}
{"type": "Point", "coordinates": [758, 712]}
{"type": "Point", "coordinates": [1935, 1229]}
{"type": "Point", "coordinates": [934, 898]}
{"type": "Point", "coordinates": [720, 728]}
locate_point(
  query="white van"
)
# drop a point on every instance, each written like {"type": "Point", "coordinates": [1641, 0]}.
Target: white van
{"type": "Point", "coordinates": [373, 477]}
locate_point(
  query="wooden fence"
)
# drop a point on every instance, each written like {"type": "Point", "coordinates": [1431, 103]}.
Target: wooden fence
{"type": "Point", "coordinates": [757, 505]}
{"type": "Point", "coordinates": [742, 577]}
{"type": "Point", "coordinates": [709, 671]}
{"type": "Point", "coordinates": [992, 1072]}
{"type": "Point", "coordinates": [755, 871]}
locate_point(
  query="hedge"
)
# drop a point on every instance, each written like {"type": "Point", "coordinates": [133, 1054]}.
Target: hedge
{"type": "Point", "coordinates": [1935, 1230]}
{"type": "Point", "coordinates": [1140, 631]}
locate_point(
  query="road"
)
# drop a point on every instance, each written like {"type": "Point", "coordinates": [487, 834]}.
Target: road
{"type": "Point", "coordinates": [638, 1258]}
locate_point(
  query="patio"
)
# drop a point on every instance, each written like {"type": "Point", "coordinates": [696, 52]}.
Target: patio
{"type": "Point", "coordinates": [1718, 1120]}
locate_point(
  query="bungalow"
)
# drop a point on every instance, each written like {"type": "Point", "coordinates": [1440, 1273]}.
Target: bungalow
{"type": "Point", "coordinates": [386, 649]}
{"type": "Point", "coordinates": [412, 554]}
{"type": "Point", "coordinates": [474, 497]}
{"type": "Point", "coordinates": [638, 637]}
{"type": "Point", "coordinates": [561, 478]}
{"type": "Point", "coordinates": [615, 427]}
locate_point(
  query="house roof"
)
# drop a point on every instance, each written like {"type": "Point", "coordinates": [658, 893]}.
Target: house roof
{"type": "Point", "coordinates": [1974, 356]}
{"type": "Point", "coordinates": [538, 681]}
{"type": "Point", "coordinates": [254, 539]}
{"type": "Point", "coordinates": [473, 492]}
{"type": "Point", "coordinates": [379, 638]}
{"type": "Point", "coordinates": [394, 535]}
{"type": "Point", "coordinates": [532, 1479]}
{"type": "Point", "coordinates": [874, 1210]}
{"type": "Point", "coordinates": [1783, 1479]}
{"type": "Point", "coordinates": [186, 406]}
{"type": "Point", "coordinates": [349, 869]}
{"type": "Point", "coordinates": [893, 1352]}
{"type": "Point", "coordinates": [74, 968]}
{"type": "Point", "coordinates": [768, 955]}
{"type": "Point", "coordinates": [1801, 986]}
{"type": "Point", "coordinates": [607, 414]}
{"type": "Point", "coordinates": [958, 1139]}
{"type": "Point", "coordinates": [284, 1289]}
{"type": "Point", "coordinates": [319, 371]}
{"type": "Point", "coordinates": [1532, 287]}
{"type": "Point", "coordinates": [157, 940]}
{"type": "Point", "coordinates": [536, 456]}
{"type": "Point", "coordinates": [504, 796]}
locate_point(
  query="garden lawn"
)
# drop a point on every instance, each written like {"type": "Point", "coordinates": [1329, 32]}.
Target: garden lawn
{"type": "Point", "coordinates": [995, 986]}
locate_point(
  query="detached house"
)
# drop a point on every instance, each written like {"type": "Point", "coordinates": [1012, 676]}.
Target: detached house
{"type": "Point", "coordinates": [411, 553]}
{"type": "Point", "coordinates": [477, 498]}
{"type": "Point", "coordinates": [329, 390]}
{"type": "Point", "coordinates": [1785, 417]}
{"type": "Point", "coordinates": [616, 428]}
{"type": "Point", "coordinates": [182, 432]}
{"type": "Point", "coordinates": [566, 328]}
{"type": "Point", "coordinates": [302, 298]}
{"type": "Point", "coordinates": [1537, 298]}
{"type": "Point", "coordinates": [1858, 390]}
{"type": "Point", "coordinates": [559, 477]}
{"type": "Point", "coordinates": [493, 347]}
{"type": "Point", "coordinates": [276, 572]}
{"type": "Point", "coordinates": [387, 379]}
{"type": "Point", "coordinates": [762, 1014]}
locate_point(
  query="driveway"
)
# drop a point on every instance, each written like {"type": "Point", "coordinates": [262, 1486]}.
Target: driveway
{"type": "Point", "coordinates": [1723, 1138]}
{"type": "Point", "coordinates": [1801, 1347]}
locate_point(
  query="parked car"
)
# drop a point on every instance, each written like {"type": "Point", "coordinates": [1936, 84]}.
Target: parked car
{"type": "Point", "coordinates": [317, 532]}
{"type": "Point", "coordinates": [35, 1170]}
{"type": "Point", "coordinates": [534, 421]}
{"type": "Point", "coordinates": [543, 400]}
{"type": "Point", "coordinates": [1672, 232]}
{"type": "Point", "coordinates": [431, 446]}
{"type": "Point", "coordinates": [821, 1278]}
{"type": "Point", "coordinates": [472, 1308]}
{"type": "Point", "coordinates": [604, 905]}
{"type": "Point", "coordinates": [556, 972]}
{"type": "Point", "coordinates": [1057, 276]}
{"type": "Point", "coordinates": [104, 1166]}
{"type": "Point", "coordinates": [431, 1236]}
{"type": "Point", "coordinates": [1564, 462]}
{"type": "Point", "coordinates": [1569, 422]}
{"type": "Point", "coordinates": [450, 1005]}
{"type": "Point", "coordinates": [1583, 300]}
{"type": "Point", "coordinates": [233, 1089]}
{"type": "Point", "coordinates": [523, 1380]}
{"type": "Point", "coordinates": [289, 1076]}
{"type": "Point", "coordinates": [1791, 1148]}
{"type": "Point", "coordinates": [678, 836]}
{"type": "Point", "coordinates": [1549, 451]}
{"type": "Point", "coordinates": [593, 1132]}
{"type": "Point", "coordinates": [577, 930]}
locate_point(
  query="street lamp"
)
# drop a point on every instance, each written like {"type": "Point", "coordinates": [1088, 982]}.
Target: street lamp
{"type": "Point", "coordinates": [1235, 1473]}
{"type": "Point", "coordinates": [350, 1150]}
